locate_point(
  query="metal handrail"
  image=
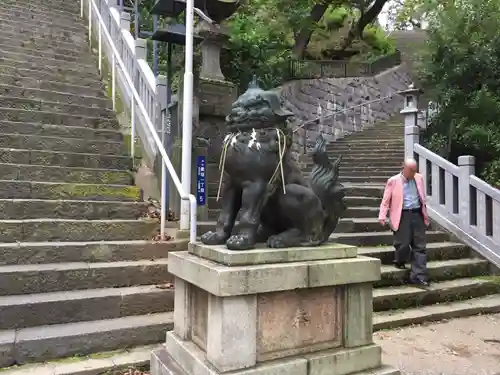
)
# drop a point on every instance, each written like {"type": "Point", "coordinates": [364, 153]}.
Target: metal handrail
{"type": "Point", "coordinates": [117, 61]}
{"type": "Point", "coordinates": [335, 113]}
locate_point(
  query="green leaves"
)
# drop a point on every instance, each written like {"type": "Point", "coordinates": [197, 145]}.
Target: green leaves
{"type": "Point", "coordinates": [461, 69]}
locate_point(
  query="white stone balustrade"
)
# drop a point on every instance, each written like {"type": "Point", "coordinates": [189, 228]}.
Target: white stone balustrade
{"type": "Point", "coordinates": [457, 200]}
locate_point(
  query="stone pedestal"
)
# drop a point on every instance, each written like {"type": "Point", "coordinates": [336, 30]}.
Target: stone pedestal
{"type": "Point", "coordinates": [297, 311]}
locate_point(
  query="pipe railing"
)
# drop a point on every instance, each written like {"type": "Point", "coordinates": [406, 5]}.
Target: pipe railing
{"type": "Point", "coordinates": [345, 120]}
{"type": "Point", "coordinates": [123, 74]}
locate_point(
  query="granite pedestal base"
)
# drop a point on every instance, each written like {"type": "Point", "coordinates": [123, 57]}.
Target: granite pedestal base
{"type": "Point", "coordinates": [297, 311]}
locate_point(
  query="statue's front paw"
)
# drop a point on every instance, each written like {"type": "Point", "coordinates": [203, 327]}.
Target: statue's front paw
{"type": "Point", "coordinates": [213, 238]}
{"type": "Point", "coordinates": [276, 242]}
{"type": "Point", "coordinates": [240, 242]}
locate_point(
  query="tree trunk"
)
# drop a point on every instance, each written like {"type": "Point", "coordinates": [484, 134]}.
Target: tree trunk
{"type": "Point", "coordinates": [366, 18]}
{"type": "Point", "coordinates": [304, 35]}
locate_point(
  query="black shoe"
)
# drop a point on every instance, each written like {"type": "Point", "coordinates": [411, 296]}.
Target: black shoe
{"type": "Point", "coordinates": [399, 265]}
{"type": "Point", "coordinates": [420, 283]}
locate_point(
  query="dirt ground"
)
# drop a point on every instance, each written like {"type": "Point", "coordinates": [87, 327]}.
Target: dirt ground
{"type": "Point", "coordinates": [467, 346]}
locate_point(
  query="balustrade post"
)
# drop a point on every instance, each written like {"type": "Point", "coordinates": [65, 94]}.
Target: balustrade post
{"type": "Point", "coordinates": [466, 165]}
{"type": "Point", "coordinates": [410, 112]}
{"type": "Point", "coordinates": [125, 21]}
{"type": "Point", "coordinates": [141, 51]}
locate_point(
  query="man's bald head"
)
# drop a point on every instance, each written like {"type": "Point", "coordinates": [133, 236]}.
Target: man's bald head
{"type": "Point", "coordinates": [409, 168]}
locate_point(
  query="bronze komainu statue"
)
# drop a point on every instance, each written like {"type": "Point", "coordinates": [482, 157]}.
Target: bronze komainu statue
{"type": "Point", "coordinates": [263, 187]}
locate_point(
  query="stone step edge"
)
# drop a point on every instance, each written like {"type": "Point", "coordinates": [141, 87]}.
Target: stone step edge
{"type": "Point", "coordinates": [82, 128]}
{"type": "Point", "coordinates": [90, 118]}
{"type": "Point", "coordinates": [81, 154]}
{"type": "Point", "coordinates": [106, 111]}
{"type": "Point", "coordinates": [33, 72]}
{"type": "Point", "coordinates": [92, 141]}
{"type": "Point", "coordinates": [96, 363]}
{"type": "Point", "coordinates": [75, 295]}
{"type": "Point", "coordinates": [53, 42]}
{"type": "Point", "coordinates": [64, 10]}
{"type": "Point", "coordinates": [76, 52]}
{"type": "Point", "coordinates": [57, 334]}
{"type": "Point", "coordinates": [69, 169]}
{"type": "Point", "coordinates": [64, 66]}
{"type": "Point", "coordinates": [398, 318]}
{"type": "Point", "coordinates": [41, 20]}
{"type": "Point", "coordinates": [105, 100]}
{"type": "Point", "coordinates": [77, 221]}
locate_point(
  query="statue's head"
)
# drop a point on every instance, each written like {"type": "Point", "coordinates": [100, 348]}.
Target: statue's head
{"type": "Point", "coordinates": [257, 106]}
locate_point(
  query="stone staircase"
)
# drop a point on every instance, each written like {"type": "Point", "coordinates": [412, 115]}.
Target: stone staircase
{"type": "Point", "coordinates": [462, 282]}
{"type": "Point", "coordinates": [79, 272]}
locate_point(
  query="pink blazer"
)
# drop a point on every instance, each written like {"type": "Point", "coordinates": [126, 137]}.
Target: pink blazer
{"type": "Point", "coordinates": [392, 202]}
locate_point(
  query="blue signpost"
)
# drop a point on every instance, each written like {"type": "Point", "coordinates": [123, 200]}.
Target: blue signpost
{"type": "Point", "coordinates": [200, 181]}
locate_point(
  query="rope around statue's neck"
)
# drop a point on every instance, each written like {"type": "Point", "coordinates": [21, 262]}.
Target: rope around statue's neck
{"type": "Point", "coordinates": [279, 168]}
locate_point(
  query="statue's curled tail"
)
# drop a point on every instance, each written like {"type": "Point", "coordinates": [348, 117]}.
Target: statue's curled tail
{"type": "Point", "coordinates": [324, 183]}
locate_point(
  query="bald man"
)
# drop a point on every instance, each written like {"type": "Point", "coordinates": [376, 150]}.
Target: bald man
{"type": "Point", "coordinates": [404, 201]}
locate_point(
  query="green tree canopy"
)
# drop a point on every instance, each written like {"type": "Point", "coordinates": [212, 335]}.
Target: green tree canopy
{"type": "Point", "coordinates": [461, 70]}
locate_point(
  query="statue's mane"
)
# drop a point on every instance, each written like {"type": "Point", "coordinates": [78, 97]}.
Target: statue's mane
{"type": "Point", "coordinates": [257, 108]}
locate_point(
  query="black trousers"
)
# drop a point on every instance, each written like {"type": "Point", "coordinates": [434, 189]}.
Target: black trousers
{"type": "Point", "coordinates": [410, 244]}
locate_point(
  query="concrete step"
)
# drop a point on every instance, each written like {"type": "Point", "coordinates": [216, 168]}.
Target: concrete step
{"type": "Point", "coordinates": [46, 106]}
{"type": "Point", "coordinates": [422, 314]}
{"type": "Point", "coordinates": [46, 278]}
{"type": "Point", "coordinates": [60, 132]}
{"type": "Point", "coordinates": [362, 142]}
{"type": "Point", "coordinates": [438, 271]}
{"type": "Point", "coordinates": [54, 96]}
{"type": "Point", "coordinates": [64, 159]}
{"type": "Point", "coordinates": [53, 81]}
{"type": "Point", "coordinates": [435, 251]}
{"type": "Point", "coordinates": [26, 31]}
{"type": "Point", "coordinates": [60, 190]}
{"type": "Point", "coordinates": [76, 42]}
{"type": "Point", "coordinates": [345, 225]}
{"type": "Point", "coordinates": [361, 177]}
{"type": "Point", "coordinates": [29, 253]}
{"type": "Point", "coordinates": [30, 310]}
{"type": "Point", "coordinates": [68, 209]}
{"type": "Point", "coordinates": [57, 144]}
{"type": "Point", "coordinates": [374, 153]}
{"type": "Point", "coordinates": [57, 7]}
{"type": "Point", "coordinates": [33, 230]}
{"type": "Point", "coordinates": [58, 118]}
{"type": "Point", "coordinates": [34, 18]}
{"type": "Point", "coordinates": [137, 357]}
{"type": "Point", "coordinates": [378, 179]}
{"type": "Point", "coordinates": [362, 162]}
{"type": "Point", "coordinates": [352, 189]}
{"type": "Point", "coordinates": [44, 49]}
{"type": "Point", "coordinates": [23, 61]}
{"type": "Point", "coordinates": [409, 296]}
{"type": "Point", "coordinates": [385, 238]}
{"type": "Point", "coordinates": [355, 147]}
{"type": "Point", "coordinates": [86, 59]}
{"type": "Point", "coordinates": [30, 172]}
{"type": "Point", "coordinates": [43, 343]}
{"type": "Point", "coordinates": [352, 212]}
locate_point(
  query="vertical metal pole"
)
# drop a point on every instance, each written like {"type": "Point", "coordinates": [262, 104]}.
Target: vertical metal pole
{"type": "Point", "coordinates": [164, 177]}
{"type": "Point", "coordinates": [155, 46]}
{"type": "Point", "coordinates": [132, 130]}
{"type": "Point", "coordinates": [169, 141]}
{"type": "Point", "coordinates": [113, 81]}
{"type": "Point", "coordinates": [187, 114]}
{"type": "Point", "coordinates": [136, 19]}
{"type": "Point", "coordinates": [99, 47]}
{"type": "Point", "coordinates": [90, 24]}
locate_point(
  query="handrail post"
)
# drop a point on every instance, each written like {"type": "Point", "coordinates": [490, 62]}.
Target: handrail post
{"type": "Point", "coordinates": [466, 165]}
{"type": "Point", "coordinates": [410, 112]}
{"type": "Point", "coordinates": [187, 114]}
{"type": "Point", "coordinates": [125, 21]}
{"type": "Point", "coordinates": [160, 107]}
